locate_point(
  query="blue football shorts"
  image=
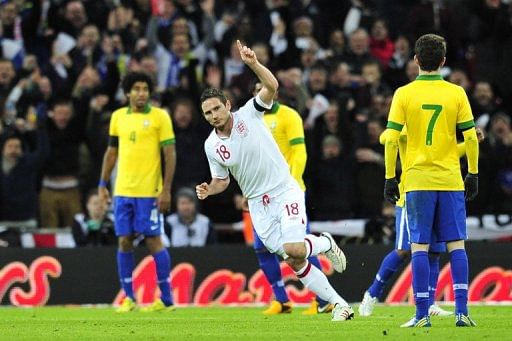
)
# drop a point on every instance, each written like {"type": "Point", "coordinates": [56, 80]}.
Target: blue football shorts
{"type": "Point", "coordinates": [137, 215]}
{"type": "Point", "coordinates": [402, 239]}
{"type": "Point", "coordinates": [436, 213]}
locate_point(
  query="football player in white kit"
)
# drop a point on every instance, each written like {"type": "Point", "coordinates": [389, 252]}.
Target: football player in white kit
{"type": "Point", "coordinates": [242, 145]}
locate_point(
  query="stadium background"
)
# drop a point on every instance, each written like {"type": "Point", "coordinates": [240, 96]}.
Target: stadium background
{"type": "Point", "coordinates": [338, 63]}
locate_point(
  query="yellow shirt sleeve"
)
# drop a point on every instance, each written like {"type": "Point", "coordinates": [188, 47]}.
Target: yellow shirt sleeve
{"type": "Point", "coordinates": [166, 130]}
{"type": "Point", "coordinates": [383, 137]}
{"type": "Point", "coordinates": [471, 142]}
{"type": "Point", "coordinates": [396, 122]}
{"type": "Point", "coordinates": [391, 153]}
{"type": "Point", "coordinates": [464, 116]}
{"type": "Point", "coordinates": [113, 124]}
{"type": "Point", "coordinates": [295, 136]}
{"type": "Point", "coordinates": [396, 119]}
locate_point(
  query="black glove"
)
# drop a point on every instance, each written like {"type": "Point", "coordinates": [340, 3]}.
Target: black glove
{"type": "Point", "coordinates": [471, 186]}
{"type": "Point", "coordinates": [391, 192]}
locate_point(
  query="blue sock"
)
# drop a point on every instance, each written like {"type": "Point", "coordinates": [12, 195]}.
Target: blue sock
{"type": "Point", "coordinates": [163, 268]}
{"type": "Point", "coordinates": [459, 265]}
{"type": "Point", "coordinates": [269, 264]}
{"type": "Point", "coordinates": [314, 260]}
{"type": "Point", "coordinates": [433, 260]}
{"type": "Point", "coordinates": [125, 266]}
{"type": "Point", "coordinates": [420, 281]}
{"type": "Point", "coordinates": [387, 268]}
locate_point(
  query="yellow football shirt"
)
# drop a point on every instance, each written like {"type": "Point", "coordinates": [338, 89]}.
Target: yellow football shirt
{"type": "Point", "coordinates": [286, 127]}
{"type": "Point", "coordinates": [141, 135]}
{"type": "Point", "coordinates": [432, 109]}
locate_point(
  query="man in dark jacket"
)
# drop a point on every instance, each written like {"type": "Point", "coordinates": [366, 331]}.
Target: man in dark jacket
{"type": "Point", "coordinates": [19, 176]}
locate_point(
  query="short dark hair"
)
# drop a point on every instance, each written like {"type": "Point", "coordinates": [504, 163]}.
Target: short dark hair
{"type": "Point", "coordinates": [63, 101]}
{"type": "Point", "coordinates": [430, 49]}
{"type": "Point", "coordinates": [134, 77]}
{"type": "Point", "coordinates": [213, 93]}
{"type": "Point", "coordinates": [186, 192]}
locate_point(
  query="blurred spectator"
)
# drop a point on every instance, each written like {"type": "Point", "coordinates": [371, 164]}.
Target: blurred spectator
{"type": "Point", "coordinates": [125, 21]}
{"type": "Point", "coordinates": [330, 183]}
{"type": "Point", "coordinates": [341, 83]}
{"type": "Point", "coordinates": [95, 227]}
{"type": "Point", "coordinates": [381, 46]}
{"type": "Point", "coordinates": [483, 103]}
{"type": "Point", "coordinates": [336, 48]}
{"type": "Point", "coordinates": [232, 65]}
{"type": "Point", "coordinates": [7, 82]}
{"type": "Point", "coordinates": [501, 135]}
{"type": "Point", "coordinates": [335, 122]}
{"type": "Point", "coordinates": [372, 84]}
{"type": "Point", "coordinates": [20, 174]}
{"type": "Point", "coordinates": [460, 77]}
{"type": "Point", "coordinates": [395, 73]}
{"type": "Point", "coordinates": [60, 197]}
{"type": "Point", "coordinates": [88, 50]}
{"type": "Point", "coordinates": [359, 52]}
{"type": "Point", "coordinates": [190, 132]}
{"type": "Point", "coordinates": [71, 20]}
{"type": "Point", "coordinates": [160, 26]}
{"type": "Point", "coordinates": [411, 70]}
{"type": "Point", "coordinates": [370, 171]}
{"type": "Point", "coordinates": [317, 80]}
{"type": "Point", "coordinates": [188, 227]}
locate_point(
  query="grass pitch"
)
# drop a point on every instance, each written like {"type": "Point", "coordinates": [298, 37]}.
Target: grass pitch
{"type": "Point", "coordinates": [78, 323]}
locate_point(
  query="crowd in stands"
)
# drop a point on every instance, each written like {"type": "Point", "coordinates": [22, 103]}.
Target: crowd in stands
{"type": "Point", "coordinates": [338, 64]}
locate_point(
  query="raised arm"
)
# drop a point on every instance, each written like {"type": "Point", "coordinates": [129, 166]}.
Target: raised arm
{"type": "Point", "coordinates": [267, 79]}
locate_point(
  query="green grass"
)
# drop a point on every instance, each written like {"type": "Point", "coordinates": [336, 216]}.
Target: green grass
{"type": "Point", "coordinates": [77, 323]}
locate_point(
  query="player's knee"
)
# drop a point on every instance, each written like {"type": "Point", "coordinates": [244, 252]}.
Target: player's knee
{"type": "Point", "coordinates": [154, 244]}
{"type": "Point", "coordinates": [295, 250]}
{"type": "Point", "coordinates": [295, 263]}
{"type": "Point", "coordinates": [403, 254]}
{"type": "Point", "coordinates": [125, 243]}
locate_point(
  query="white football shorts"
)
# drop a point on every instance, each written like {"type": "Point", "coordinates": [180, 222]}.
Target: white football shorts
{"type": "Point", "coordinates": [279, 217]}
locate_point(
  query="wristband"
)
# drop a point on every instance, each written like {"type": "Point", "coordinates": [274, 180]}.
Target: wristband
{"type": "Point", "coordinates": [102, 183]}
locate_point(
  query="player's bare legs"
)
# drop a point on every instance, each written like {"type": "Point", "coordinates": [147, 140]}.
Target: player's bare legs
{"type": "Point", "coordinates": [125, 243]}
{"type": "Point", "coordinates": [312, 277]}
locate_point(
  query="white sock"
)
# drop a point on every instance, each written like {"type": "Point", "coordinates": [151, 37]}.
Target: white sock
{"type": "Point", "coordinates": [315, 280]}
{"type": "Point", "coordinates": [316, 245]}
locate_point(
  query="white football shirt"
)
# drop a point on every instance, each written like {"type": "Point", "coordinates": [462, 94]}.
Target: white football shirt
{"type": "Point", "coordinates": [250, 153]}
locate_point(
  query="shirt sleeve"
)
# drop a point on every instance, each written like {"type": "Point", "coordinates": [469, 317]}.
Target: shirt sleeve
{"type": "Point", "coordinates": [255, 106]}
{"type": "Point", "coordinates": [396, 119]}
{"type": "Point", "coordinates": [464, 116]}
{"type": "Point", "coordinates": [166, 130]}
{"type": "Point", "coordinates": [217, 170]}
{"type": "Point", "coordinates": [294, 128]}
{"type": "Point", "coordinates": [113, 125]}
